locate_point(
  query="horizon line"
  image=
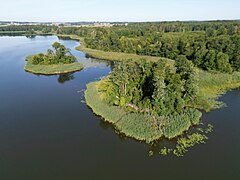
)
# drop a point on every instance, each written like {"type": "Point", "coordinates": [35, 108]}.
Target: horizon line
{"type": "Point", "coordinates": [144, 21]}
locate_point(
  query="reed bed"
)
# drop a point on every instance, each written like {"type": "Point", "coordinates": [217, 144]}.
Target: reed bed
{"type": "Point", "coordinates": [143, 127]}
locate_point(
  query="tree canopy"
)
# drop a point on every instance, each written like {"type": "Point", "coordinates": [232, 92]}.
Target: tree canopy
{"type": "Point", "coordinates": [154, 88]}
{"type": "Point", "coordinates": [59, 55]}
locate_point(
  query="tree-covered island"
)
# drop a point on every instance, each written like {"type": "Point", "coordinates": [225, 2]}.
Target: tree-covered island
{"type": "Point", "coordinates": [56, 61]}
{"type": "Point", "coordinates": [147, 100]}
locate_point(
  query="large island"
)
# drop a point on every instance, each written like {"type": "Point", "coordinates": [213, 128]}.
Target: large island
{"type": "Point", "coordinates": [147, 100]}
{"type": "Point", "coordinates": [56, 61]}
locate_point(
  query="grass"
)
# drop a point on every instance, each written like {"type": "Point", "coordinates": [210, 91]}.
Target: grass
{"type": "Point", "coordinates": [176, 125]}
{"type": "Point", "coordinates": [139, 126]}
{"type": "Point", "coordinates": [100, 107]}
{"type": "Point", "coordinates": [132, 125]}
{"type": "Point", "coordinates": [116, 56]}
{"type": "Point", "coordinates": [12, 32]}
{"type": "Point", "coordinates": [212, 86]}
{"type": "Point", "coordinates": [51, 69]}
{"type": "Point", "coordinates": [142, 127]}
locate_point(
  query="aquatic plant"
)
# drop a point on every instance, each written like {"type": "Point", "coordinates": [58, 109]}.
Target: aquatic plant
{"type": "Point", "coordinates": [150, 153]}
{"type": "Point", "coordinates": [165, 151]}
{"type": "Point", "coordinates": [200, 130]}
{"type": "Point", "coordinates": [209, 129]}
{"type": "Point", "coordinates": [187, 142]}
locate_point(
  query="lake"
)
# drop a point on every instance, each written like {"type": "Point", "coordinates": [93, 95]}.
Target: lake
{"type": "Point", "coordinates": [48, 133]}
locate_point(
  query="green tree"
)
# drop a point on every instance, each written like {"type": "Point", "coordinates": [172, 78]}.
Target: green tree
{"type": "Point", "coordinates": [210, 60]}
{"type": "Point", "coordinates": [187, 72]}
{"type": "Point", "coordinates": [223, 64]}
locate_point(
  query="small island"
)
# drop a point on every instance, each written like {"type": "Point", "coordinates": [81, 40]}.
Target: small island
{"type": "Point", "coordinates": [56, 61]}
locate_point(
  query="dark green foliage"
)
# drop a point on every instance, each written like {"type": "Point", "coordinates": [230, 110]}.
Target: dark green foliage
{"type": "Point", "coordinates": [200, 42]}
{"type": "Point", "coordinates": [60, 55]}
{"type": "Point", "coordinates": [188, 76]}
{"type": "Point", "coordinates": [29, 28]}
{"type": "Point", "coordinates": [153, 88]}
{"type": "Point", "coordinates": [223, 64]}
{"type": "Point", "coordinates": [210, 60]}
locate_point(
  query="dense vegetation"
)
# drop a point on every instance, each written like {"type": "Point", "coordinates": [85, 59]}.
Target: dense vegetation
{"type": "Point", "coordinates": [210, 46]}
{"type": "Point", "coordinates": [154, 88]}
{"type": "Point", "coordinates": [60, 55]}
{"type": "Point", "coordinates": [56, 61]}
{"type": "Point", "coordinates": [147, 100]}
{"type": "Point", "coordinates": [29, 29]}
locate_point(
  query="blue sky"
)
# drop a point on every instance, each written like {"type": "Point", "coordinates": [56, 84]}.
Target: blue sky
{"type": "Point", "coordinates": [118, 10]}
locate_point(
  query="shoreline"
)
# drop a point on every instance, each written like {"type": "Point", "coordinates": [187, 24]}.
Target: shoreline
{"type": "Point", "coordinates": [52, 73]}
{"type": "Point", "coordinates": [138, 126]}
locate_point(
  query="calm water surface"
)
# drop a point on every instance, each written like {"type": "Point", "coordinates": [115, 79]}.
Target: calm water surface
{"type": "Point", "coordinates": [46, 133]}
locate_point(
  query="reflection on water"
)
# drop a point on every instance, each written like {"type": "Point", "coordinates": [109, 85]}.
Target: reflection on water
{"type": "Point", "coordinates": [31, 36]}
{"type": "Point", "coordinates": [93, 60]}
{"type": "Point", "coordinates": [66, 38]}
{"type": "Point", "coordinates": [62, 78]}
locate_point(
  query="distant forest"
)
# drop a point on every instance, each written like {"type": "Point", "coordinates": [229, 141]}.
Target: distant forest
{"type": "Point", "coordinates": [212, 46]}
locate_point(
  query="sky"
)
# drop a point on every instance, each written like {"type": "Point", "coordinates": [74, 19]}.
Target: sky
{"type": "Point", "coordinates": [118, 10]}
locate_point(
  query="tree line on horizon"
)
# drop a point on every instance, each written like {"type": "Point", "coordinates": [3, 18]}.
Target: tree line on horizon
{"type": "Point", "coordinates": [212, 46]}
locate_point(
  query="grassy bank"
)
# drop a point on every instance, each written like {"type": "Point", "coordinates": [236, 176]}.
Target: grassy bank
{"type": "Point", "coordinates": [142, 127]}
{"type": "Point", "coordinates": [73, 37]}
{"type": "Point", "coordinates": [12, 32]}
{"type": "Point", "coordinates": [212, 86]}
{"type": "Point", "coordinates": [51, 69]}
{"type": "Point", "coordinates": [115, 56]}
